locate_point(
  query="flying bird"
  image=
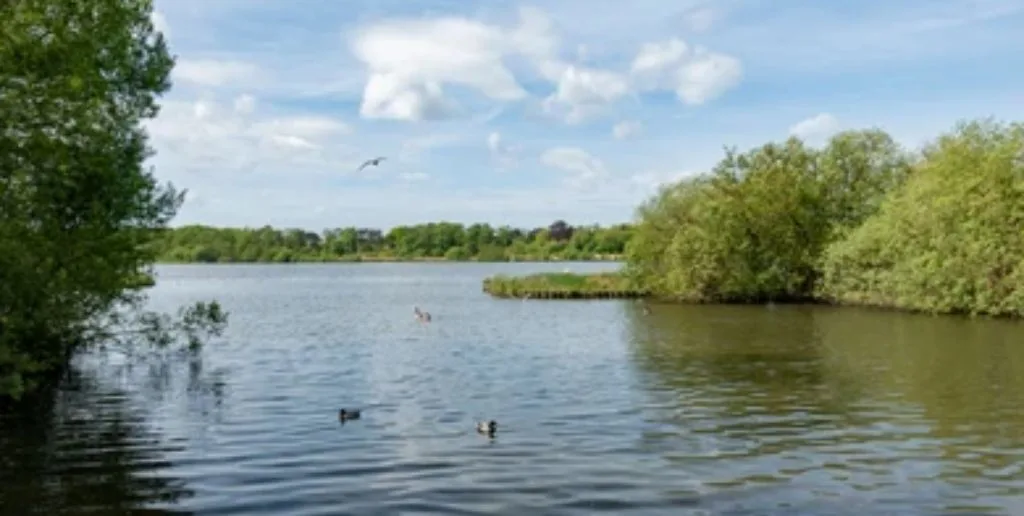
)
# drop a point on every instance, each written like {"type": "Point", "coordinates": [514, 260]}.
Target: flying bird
{"type": "Point", "coordinates": [375, 162]}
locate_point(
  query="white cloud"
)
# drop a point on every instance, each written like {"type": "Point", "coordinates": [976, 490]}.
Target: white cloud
{"type": "Point", "coordinates": [414, 65]}
{"type": "Point", "coordinates": [816, 128]}
{"type": "Point", "coordinates": [502, 153]}
{"type": "Point", "coordinates": [697, 75]}
{"type": "Point", "coordinates": [201, 109]}
{"type": "Point", "coordinates": [388, 95]}
{"type": "Point", "coordinates": [656, 57]}
{"type": "Point", "coordinates": [494, 142]}
{"type": "Point", "coordinates": [289, 140]}
{"type": "Point", "coordinates": [584, 92]}
{"type": "Point", "coordinates": [212, 72]}
{"type": "Point", "coordinates": [626, 128]}
{"type": "Point", "coordinates": [214, 140]}
{"type": "Point", "coordinates": [708, 76]}
{"type": "Point", "coordinates": [302, 132]}
{"type": "Point", "coordinates": [245, 104]}
{"type": "Point", "coordinates": [583, 168]}
{"type": "Point", "coordinates": [410, 61]}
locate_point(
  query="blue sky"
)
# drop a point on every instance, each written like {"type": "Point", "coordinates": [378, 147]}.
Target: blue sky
{"type": "Point", "coordinates": [525, 113]}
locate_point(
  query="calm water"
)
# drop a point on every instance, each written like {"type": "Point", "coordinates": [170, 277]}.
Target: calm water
{"type": "Point", "coordinates": [689, 410]}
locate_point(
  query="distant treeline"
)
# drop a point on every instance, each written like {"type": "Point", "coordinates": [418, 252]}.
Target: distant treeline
{"type": "Point", "coordinates": [860, 221]}
{"type": "Point", "coordinates": [439, 241]}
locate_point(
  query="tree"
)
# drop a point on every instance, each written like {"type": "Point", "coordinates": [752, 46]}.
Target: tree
{"type": "Point", "coordinates": [560, 231]}
{"type": "Point", "coordinates": [433, 240]}
{"type": "Point", "coordinates": [755, 228]}
{"type": "Point", "coordinates": [948, 240]}
{"type": "Point", "coordinates": [78, 209]}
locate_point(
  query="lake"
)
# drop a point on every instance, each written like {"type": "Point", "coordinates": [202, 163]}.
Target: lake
{"type": "Point", "coordinates": [600, 408]}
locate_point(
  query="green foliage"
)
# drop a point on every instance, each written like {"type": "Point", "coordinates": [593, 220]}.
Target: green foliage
{"type": "Point", "coordinates": [457, 254]}
{"type": "Point", "coordinates": [434, 241]}
{"type": "Point", "coordinates": [553, 284]}
{"type": "Point", "coordinates": [860, 221]}
{"type": "Point", "coordinates": [755, 227]}
{"type": "Point", "coordinates": [951, 240]}
{"type": "Point", "coordinates": [77, 207]}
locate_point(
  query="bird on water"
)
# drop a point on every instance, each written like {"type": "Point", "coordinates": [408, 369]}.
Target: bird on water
{"type": "Point", "coordinates": [421, 315]}
{"type": "Point", "coordinates": [345, 415]}
{"type": "Point", "coordinates": [488, 427]}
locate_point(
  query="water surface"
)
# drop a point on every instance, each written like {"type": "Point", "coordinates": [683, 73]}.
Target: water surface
{"type": "Point", "coordinates": [688, 410]}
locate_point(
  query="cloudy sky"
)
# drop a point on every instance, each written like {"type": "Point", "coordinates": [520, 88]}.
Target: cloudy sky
{"type": "Point", "coordinates": [524, 113]}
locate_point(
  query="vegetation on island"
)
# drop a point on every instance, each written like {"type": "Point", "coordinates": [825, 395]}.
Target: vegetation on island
{"type": "Point", "coordinates": [78, 208]}
{"type": "Point", "coordinates": [434, 241]}
{"type": "Point", "coordinates": [860, 221]}
{"type": "Point", "coordinates": [562, 285]}
{"type": "Point", "coordinates": [950, 240]}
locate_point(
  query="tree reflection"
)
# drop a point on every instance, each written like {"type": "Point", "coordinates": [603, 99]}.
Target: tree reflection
{"type": "Point", "coordinates": [964, 377]}
{"type": "Point", "coordinates": [89, 446]}
{"type": "Point", "coordinates": [740, 358]}
{"type": "Point", "coordinates": [888, 398]}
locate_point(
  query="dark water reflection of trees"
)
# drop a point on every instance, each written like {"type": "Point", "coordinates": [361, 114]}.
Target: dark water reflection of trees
{"type": "Point", "coordinates": [843, 387]}
{"type": "Point", "coordinates": [91, 446]}
{"type": "Point", "coordinates": [774, 359]}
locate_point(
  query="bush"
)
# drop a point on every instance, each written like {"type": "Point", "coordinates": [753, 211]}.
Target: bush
{"type": "Point", "coordinates": [951, 240]}
{"type": "Point", "coordinates": [756, 226]}
{"type": "Point", "coordinates": [457, 254]}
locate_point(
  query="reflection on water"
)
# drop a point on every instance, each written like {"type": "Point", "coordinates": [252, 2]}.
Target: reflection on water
{"type": "Point", "coordinates": [906, 413]}
{"type": "Point", "coordinates": [600, 407]}
{"type": "Point", "coordinates": [92, 448]}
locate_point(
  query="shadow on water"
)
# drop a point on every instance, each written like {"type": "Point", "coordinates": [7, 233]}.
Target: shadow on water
{"type": "Point", "coordinates": [885, 410]}
{"type": "Point", "coordinates": [962, 382]}
{"type": "Point", "coordinates": [90, 448]}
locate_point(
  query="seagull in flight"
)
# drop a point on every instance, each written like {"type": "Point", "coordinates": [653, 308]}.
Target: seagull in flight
{"type": "Point", "coordinates": [375, 162]}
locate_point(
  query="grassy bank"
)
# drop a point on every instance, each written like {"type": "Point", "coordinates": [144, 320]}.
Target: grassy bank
{"type": "Point", "coordinates": [561, 286]}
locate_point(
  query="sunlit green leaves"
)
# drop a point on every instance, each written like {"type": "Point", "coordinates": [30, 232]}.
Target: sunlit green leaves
{"type": "Point", "coordinates": [951, 240]}
{"type": "Point", "coordinates": [435, 240]}
{"type": "Point", "coordinates": [756, 226]}
{"type": "Point", "coordinates": [860, 221]}
{"type": "Point", "coordinates": [77, 207]}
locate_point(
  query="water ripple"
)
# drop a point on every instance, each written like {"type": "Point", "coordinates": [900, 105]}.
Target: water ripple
{"type": "Point", "coordinates": [601, 409]}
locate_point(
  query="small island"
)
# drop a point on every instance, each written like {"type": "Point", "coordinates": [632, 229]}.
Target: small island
{"type": "Point", "coordinates": [563, 285]}
{"type": "Point", "coordinates": [859, 221]}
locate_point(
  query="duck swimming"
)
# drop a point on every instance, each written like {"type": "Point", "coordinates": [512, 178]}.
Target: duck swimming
{"type": "Point", "coordinates": [488, 427]}
{"type": "Point", "coordinates": [421, 315]}
{"type": "Point", "coordinates": [345, 415]}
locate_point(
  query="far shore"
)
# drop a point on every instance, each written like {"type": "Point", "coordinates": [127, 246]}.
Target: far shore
{"type": "Point", "coordinates": [393, 259]}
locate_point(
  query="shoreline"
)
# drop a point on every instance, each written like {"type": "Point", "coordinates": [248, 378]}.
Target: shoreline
{"type": "Point", "coordinates": [386, 259]}
{"type": "Point", "coordinates": [612, 285]}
